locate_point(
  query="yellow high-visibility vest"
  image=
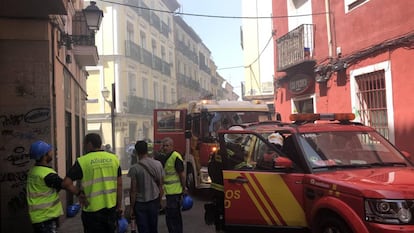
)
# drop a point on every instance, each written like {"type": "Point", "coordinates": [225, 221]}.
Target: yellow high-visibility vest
{"type": "Point", "coordinates": [172, 183]}
{"type": "Point", "coordinates": [99, 181]}
{"type": "Point", "coordinates": [43, 201]}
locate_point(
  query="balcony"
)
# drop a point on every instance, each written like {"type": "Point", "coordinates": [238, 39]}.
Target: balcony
{"type": "Point", "coordinates": [165, 29]}
{"type": "Point", "coordinates": [205, 68]}
{"type": "Point", "coordinates": [133, 51]}
{"type": "Point", "coordinates": [295, 48]}
{"type": "Point", "coordinates": [143, 56]}
{"type": "Point", "coordinates": [166, 68]}
{"type": "Point", "coordinates": [186, 51]}
{"type": "Point", "coordinates": [146, 57]}
{"type": "Point", "coordinates": [139, 105]}
{"type": "Point", "coordinates": [83, 42]}
{"type": "Point", "coordinates": [84, 50]}
{"type": "Point", "coordinates": [155, 21]}
{"type": "Point", "coordinates": [156, 63]}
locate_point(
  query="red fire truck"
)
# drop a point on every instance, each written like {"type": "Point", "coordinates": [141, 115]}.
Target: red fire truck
{"type": "Point", "coordinates": [193, 127]}
{"type": "Point", "coordinates": [329, 175]}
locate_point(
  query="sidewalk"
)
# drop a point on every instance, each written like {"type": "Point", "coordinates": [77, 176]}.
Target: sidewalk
{"type": "Point", "coordinates": [72, 225]}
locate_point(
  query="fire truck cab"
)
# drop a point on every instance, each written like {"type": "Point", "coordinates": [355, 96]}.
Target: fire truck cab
{"type": "Point", "coordinates": [329, 175]}
{"type": "Point", "coordinates": [194, 126]}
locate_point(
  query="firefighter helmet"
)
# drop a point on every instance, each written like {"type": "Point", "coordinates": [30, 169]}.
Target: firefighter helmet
{"type": "Point", "coordinates": [38, 149]}
{"type": "Point", "coordinates": [234, 138]}
{"type": "Point", "coordinates": [275, 138]}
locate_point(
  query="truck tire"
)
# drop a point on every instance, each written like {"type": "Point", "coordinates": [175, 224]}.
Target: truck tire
{"type": "Point", "coordinates": [190, 179]}
{"type": "Point", "coordinates": [331, 224]}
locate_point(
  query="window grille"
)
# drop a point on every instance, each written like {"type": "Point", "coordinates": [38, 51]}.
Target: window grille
{"type": "Point", "coordinates": [372, 101]}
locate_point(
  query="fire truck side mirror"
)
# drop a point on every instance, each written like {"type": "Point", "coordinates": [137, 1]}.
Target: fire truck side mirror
{"type": "Point", "coordinates": [282, 162]}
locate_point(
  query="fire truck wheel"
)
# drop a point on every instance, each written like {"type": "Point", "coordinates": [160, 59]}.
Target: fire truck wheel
{"type": "Point", "coordinates": [190, 179]}
{"type": "Point", "coordinates": [331, 224]}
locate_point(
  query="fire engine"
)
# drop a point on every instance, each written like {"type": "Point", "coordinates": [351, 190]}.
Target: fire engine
{"type": "Point", "coordinates": [326, 174]}
{"type": "Point", "coordinates": [193, 127]}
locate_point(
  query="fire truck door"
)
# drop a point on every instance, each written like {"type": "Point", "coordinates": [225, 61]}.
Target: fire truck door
{"type": "Point", "coordinates": [263, 198]}
{"type": "Point", "coordinates": [170, 123]}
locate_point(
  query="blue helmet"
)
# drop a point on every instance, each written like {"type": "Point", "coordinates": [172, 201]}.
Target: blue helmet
{"type": "Point", "coordinates": [122, 225]}
{"type": "Point", "coordinates": [38, 149]}
{"type": "Point", "coordinates": [187, 203]}
{"type": "Point", "coordinates": [72, 210]}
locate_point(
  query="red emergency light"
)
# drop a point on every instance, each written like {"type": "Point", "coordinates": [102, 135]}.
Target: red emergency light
{"type": "Point", "coordinates": [322, 116]}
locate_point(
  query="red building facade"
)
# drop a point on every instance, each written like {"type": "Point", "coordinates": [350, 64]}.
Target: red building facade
{"type": "Point", "coordinates": [347, 56]}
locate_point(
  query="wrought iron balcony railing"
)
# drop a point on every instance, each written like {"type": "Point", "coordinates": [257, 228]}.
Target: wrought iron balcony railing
{"type": "Point", "coordinates": [295, 47]}
{"type": "Point", "coordinates": [139, 105]}
{"type": "Point", "coordinates": [145, 57]}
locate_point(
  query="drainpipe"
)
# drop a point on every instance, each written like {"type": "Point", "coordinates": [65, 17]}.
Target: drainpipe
{"type": "Point", "coordinates": [328, 28]}
{"type": "Point", "coordinates": [53, 104]}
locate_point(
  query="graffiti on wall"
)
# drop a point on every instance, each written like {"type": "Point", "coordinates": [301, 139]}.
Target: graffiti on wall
{"type": "Point", "coordinates": [18, 131]}
{"type": "Point", "coordinates": [36, 115]}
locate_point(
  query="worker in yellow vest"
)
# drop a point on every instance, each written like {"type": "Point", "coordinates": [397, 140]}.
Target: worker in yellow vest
{"type": "Point", "coordinates": [101, 186]}
{"type": "Point", "coordinates": [43, 185]}
{"type": "Point", "coordinates": [174, 186]}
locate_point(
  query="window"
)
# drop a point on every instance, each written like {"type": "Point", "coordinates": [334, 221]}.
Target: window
{"type": "Point", "coordinates": [304, 105]}
{"type": "Point", "coordinates": [145, 88]}
{"type": "Point", "coordinates": [163, 53]}
{"type": "Point", "coordinates": [170, 120]}
{"type": "Point", "coordinates": [371, 94]}
{"type": "Point", "coordinates": [130, 31]}
{"type": "Point", "coordinates": [372, 97]}
{"type": "Point", "coordinates": [143, 40]}
{"type": "Point", "coordinates": [352, 4]}
{"type": "Point", "coordinates": [132, 83]}
{"type": "Point", "coordinates": [156, 92]}
{"type": "Point", "coordinates": [154, 46]}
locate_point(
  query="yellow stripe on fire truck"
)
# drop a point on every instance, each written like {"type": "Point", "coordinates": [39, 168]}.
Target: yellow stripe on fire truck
{"type": "Point", "coordinates": [272, 197]}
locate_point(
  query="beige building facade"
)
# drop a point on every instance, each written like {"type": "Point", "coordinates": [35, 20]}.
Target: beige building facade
{"type": "Point", "coordinates": [258, 50]}
{"type": "Point", "coordinates": [149, 59]}
{"type": "Point", "coordinates": [136, 67]}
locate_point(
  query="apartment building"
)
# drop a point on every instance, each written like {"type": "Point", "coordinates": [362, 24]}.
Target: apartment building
{"type": "Point", "coordinates": [257, 45]}
{"type": "Point", "coordinates": [149, 59]}
{"type": "Point", "coordinates": [45, 49]}
{"type": "Point", "coordinates": [347, 56]}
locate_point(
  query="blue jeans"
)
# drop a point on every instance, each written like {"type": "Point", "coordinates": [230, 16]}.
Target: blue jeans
{"type": "Point", "coordinates": [146, 216]}
{"type": "Point", "coordinates": [173, 214]}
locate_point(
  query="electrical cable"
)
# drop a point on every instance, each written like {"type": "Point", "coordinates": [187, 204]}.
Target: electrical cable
{"type": "Point", "coordinates": [213, 16]}
{"type": "Point", "coordinates": [254, 61]}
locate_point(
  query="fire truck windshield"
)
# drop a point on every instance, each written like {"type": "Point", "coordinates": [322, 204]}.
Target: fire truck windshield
{"type": "Point", "coordinates": [349, 149]}
{"type": "Point", "coordinates": [223, 120]}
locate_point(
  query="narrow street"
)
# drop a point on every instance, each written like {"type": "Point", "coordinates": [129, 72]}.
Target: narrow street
{"type": "Point", "coordinates": [193, 219]}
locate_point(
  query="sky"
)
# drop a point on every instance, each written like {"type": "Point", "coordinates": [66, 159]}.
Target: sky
{"type": "Point", "coordinates": [220, 35]}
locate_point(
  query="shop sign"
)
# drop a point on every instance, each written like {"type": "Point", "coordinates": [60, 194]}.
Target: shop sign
{"type": "Point", "coordinates": [300, 83]}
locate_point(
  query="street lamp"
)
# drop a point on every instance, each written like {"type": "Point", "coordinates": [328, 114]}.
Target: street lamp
{"type": "Point", "coordinates": [105, 94]}
{"type": "Point", "coordinates": [92, 16]}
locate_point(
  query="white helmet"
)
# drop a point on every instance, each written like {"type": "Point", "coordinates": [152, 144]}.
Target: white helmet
{"type": "Point", "coordinates": [234, 138]}
{"type": "Point", "coordinates": [275, 138]}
